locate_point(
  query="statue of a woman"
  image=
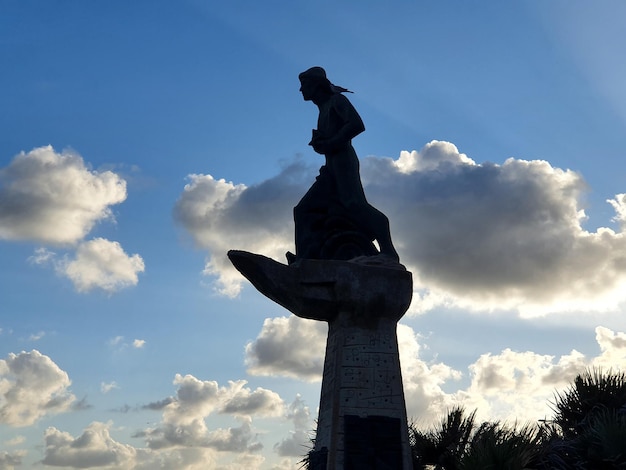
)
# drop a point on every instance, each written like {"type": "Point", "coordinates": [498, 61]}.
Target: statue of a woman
{"type": "Point", "coordinates": [334, 220]}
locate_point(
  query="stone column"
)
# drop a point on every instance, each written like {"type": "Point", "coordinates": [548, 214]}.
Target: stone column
{"type": "Point", "coordinates": [362, 422]}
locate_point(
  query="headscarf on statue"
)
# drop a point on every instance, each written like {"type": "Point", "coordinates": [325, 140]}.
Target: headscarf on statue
{"type": "Point", "coordinates": [319, 74]}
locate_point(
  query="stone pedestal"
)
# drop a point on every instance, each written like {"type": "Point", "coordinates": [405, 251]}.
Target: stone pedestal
{"type": "Point", "coordinates": [362, 421]}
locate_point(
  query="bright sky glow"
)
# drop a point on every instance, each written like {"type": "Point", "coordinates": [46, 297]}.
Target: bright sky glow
{"type": "Point", "coordinates": [141, 140]}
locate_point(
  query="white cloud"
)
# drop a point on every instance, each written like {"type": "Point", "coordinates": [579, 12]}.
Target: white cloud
{"type": "Point", "coordinates": [247, 461]}
{"type": "Point", "coordinates": [424, 395]}
{"type": "Point", "coordinates": [508, 385]}
{"type": "Point", "coordinates": [32, 386]}
{"type": "Point", "coordinates": [498, 236]}
{"type": "Point", "coordinates": [619, 204]}
{"type": "Point", "coordinates": [295, 347]}
{"type": "Point", "coordinates": [102, 264]}
{"type": "Point", "coordinates": [613, 347]}
{"type": "Point", "coordinates": [299, 441]}
{"type": "Point", "coordinates": [245, 402]}
{"type": "Point", "coordinates": [518, 385]}
{"type": "Point", "coordinates": [221, 216]}
{"type": "Point", "coordinates": [184, 415]}
{"type": "Point", "coordinates": [10, 460]}
{"type": "Point", "coordinates": [37, 336]}
{"type": "Point", "coordinates": [240, 439]}
{"type": "Point", "coordinates": [184, 458]}
{"type": "Point", "coordinates": [119, 344]}
{"type": "Point", "coordinates": [107, 387]}
{"type": "Point", "coordinates": [289, 346]}
{"type": "Point", "coordinates": [481, 236]}
{"type": "Point", "coordinates": [42, 256]}
{"type": "Point", "coordinates": [16, 441]}
{"type": "Point", "coordinates": [94, 448]}
{"type": "Point", "coordinates": [286, 464]}
{"type": "Point", "coordinates": [54, 198]}
{"type": "Point", "coordinates": [116, 341]}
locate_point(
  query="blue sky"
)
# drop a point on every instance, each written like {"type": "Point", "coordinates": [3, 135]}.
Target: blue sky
{"type": "Point", "coordinates": [141, 140]}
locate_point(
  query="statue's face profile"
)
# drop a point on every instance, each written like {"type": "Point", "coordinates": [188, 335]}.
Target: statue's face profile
{"type": "Point", "coordinates": [308, 88]}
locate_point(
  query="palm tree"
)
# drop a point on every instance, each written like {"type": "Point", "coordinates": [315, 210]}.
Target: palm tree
{"type": "Point", "coordinates": [590, 421]}
{"type": "Point", "coordinates": [441, 449]}
{"type": "Point", "coordinates": [591, 392]}
{"type": "Point", "coordinates": [604, 439]}
{"type": "Point", "coordinates": [458, 444]}
{"type": "Point", "coordinates": [495, 446]}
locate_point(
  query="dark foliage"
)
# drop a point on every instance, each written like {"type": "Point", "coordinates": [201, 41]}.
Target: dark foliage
{"type": "Point", "coordinates": [442, 447]}
{"type": "Point", "coordinates": [590, 422]}
{"type": "Point", "coordinates": [588, 432]}
{"type": "Point", "coordinates": [592, 392]}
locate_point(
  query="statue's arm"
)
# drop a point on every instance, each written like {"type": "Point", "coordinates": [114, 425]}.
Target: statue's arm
{"type": "Point", "coordinates": [352, 125]}
{"type": "Point", "coordinates": [352, 122]}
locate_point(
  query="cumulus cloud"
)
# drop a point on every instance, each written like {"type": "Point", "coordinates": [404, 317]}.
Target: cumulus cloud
{"type": "Point", "coordinates": [279, 351]}
{"type": "Point", "coordinates": [17, 440]}
{"type": "Point", "coordinates": [481, 236]}
{"type": "Point", "coordinates": [613, 347]}
{"type": "Point", "coordinates": [139, 343]}
{"type": "Point", "coordinates": [498, 236]}
{"type": "Point", "coordinates": [32, 386]}
{"type": "Point", "coordinates": [42, 256]}
{"type": "Point", "coordinates": [54, 198]}
{"type": "Point", "coordinates": [519, 385]}
{"type": "Point", "coordinates": [288, 346]}
{"type": "Point", "coordinates": [423, 381]}
{"type": "Point", "coordinates": [10, 460]}
{"type": "Point", "coordinates": [298, 443]}
{"type": "Point", "coordinates": [102, 264]}
{"type": "Point", "coordinates": [159, 405]}
{"type": "Point", "coordinates": [247, 461]}
{"type": "Point", "coordinates": [221, 216]}
{"type": "Point", "coordinates": [96, 448]}
{"type": "Point", "coordinates": [619, 204]}
{"type": "Point", "coordinates": [508, 385]}
{"type": "Point", "coordinates": [182, 440]}
{"type": "Point", "coordinates": [184, 415]}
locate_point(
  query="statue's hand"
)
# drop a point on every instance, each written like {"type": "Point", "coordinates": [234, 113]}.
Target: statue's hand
{"type": "Point", "coordinates": [320, 146]}
{"type": "Point", "coordinates": [319, 143]}
{"type": "Point", "coordinates": [327, 146]}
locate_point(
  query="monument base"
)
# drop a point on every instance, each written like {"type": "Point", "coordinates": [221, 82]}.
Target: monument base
{"type": "Point", "coordinates": [362, 422]}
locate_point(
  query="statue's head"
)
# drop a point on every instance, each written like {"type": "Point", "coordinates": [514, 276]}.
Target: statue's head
{"type": "Point", "coordinates": [314, 81]}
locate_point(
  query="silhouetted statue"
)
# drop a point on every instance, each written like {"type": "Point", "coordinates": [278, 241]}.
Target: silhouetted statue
{"type": "Point", "coordinates": [334, 220]}
{"type": "Point", "coordinates": [339, 277]}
